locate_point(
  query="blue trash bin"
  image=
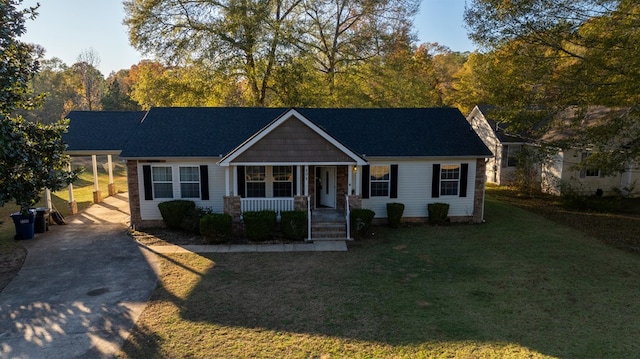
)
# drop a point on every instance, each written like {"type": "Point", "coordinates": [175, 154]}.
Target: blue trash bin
{"type": "Point", "coordinates": [25, 225]}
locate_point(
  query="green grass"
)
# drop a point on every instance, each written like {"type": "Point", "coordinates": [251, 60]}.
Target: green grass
{"type": "Point", "coordinates": [83, 194]}
{"type": "Point", "coordinates": [519, 286]}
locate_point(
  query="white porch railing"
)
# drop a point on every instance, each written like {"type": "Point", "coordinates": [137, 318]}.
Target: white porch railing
{"type": "Point", "coordinates": [277, 205]}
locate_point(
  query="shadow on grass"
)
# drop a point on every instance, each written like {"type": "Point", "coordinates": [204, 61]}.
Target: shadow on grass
{"type": "Point", "coordinates": [518, 279]}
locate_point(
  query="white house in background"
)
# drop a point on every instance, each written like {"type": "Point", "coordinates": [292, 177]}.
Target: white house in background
{"type": "Point", "coordinates": [556, 172]}
{"type": "Point", "coordinates": [506, 147]}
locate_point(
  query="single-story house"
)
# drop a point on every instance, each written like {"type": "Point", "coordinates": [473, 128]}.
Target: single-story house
{"type": "Point", "coordinates": [240, 159]}
{"type": "Point", "coordinates": [505, 146]}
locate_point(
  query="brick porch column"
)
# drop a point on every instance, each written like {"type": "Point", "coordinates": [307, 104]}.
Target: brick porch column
{"type": "Point", "coordinates": [134, 192]}
{"type": "Point", "coordinates": [478, 196]}
{"type": "Point", "coordinates": [232, 207]}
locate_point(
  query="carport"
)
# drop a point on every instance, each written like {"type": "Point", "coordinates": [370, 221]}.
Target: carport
{"type": "Point", "coordinates": [98, 133]}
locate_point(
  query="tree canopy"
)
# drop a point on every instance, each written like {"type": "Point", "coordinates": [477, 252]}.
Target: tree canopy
{"type": "Point", "coordinates": [567, 56]}
{"type": "Point", "coordinates": [32, 155]}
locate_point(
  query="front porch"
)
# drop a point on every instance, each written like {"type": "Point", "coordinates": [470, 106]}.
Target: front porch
{"type": "Point", "coordinates": [324, 195]}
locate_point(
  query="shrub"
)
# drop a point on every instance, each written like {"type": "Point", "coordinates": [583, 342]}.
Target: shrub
{"type": "Point", "coordinates": [394, 214]}
{"type": "Point", "coordinates": [438, 213]}
{"type": "Point", "coordinates": [216, 227]}
{"type": "Point", "coordinates": [360, 220]}
{"type": "Point", "coordinates": [174, 212]}
{"type": "Point", "coordinates": [294, 224]}
{"type": "Point", "coordinates": [258, 225]}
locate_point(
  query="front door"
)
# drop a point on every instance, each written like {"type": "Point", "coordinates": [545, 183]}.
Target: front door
{"type": "Point", "coordinates": [326, 187]}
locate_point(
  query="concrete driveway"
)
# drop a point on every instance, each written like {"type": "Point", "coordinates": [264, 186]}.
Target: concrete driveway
{"type": "Point", "coordinates": [81, 289]}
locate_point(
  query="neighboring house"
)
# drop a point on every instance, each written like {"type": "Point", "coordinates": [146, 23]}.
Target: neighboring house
{"type": "Point", "coordinates": [506, 147]}
{"type": "Point", "coordinates": [237, 159]}
{"type": "Point", "coordinates": [559, 172]}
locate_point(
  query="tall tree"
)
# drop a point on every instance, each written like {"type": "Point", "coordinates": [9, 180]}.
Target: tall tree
{"type": "Point", "coordinates": [32, 156]}
{"type": "Point", "coordinates": [91, 81]}
{"type": "Point", "coordinates": [571, 54]}
{"type": "Point", "coordinates": [236, 37]}
{"type": "Point", "coordinates": [343, 33]}
{"type": "Point", "coordinates": [117, 95]}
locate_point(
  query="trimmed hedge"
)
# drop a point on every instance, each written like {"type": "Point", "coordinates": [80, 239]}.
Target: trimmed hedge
{"type": "Point", "coordinates": [360, 220]}
{"type": "Point", "coordinates": [174, 212]}
{"type": "Point", "coordinates": [438, 213]}
{"type": "Point", "coordinates": [259, 225]}
{"type": "Point", "coordinates": [294, 224]}
{"type": "Point", "coordinates": [394, 214]}
{"type": "Point", "coordinates": [216, 227]}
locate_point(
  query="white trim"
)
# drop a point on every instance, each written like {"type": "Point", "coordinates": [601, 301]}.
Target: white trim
{"type": "Point", "coordinates": [292, 113]}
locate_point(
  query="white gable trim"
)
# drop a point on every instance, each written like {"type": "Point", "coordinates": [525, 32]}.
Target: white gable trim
{"type": "Point", "coordinates": [227, 159]}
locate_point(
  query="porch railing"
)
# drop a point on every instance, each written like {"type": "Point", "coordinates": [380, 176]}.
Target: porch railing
{"type": "Point", "coordinates": [277, 205]}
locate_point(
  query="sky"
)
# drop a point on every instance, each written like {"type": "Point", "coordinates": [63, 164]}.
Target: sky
{"type": "Point", "coordinates": [66, 28]}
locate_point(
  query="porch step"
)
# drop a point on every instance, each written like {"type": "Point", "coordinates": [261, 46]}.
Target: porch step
{"type": "Point", "coordinates": [328, 225]}
{"type": "Point", "coordinates": [332, 230]}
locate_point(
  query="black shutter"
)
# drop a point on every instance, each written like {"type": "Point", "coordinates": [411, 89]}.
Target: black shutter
{"type": "Point", "coordinates": [147, 183]}
{"type": "Point", "coordinates": [393, 191]}
{"type": "Point", "coordinates": [204, 182]}
{"type": "Point", "coordinates": [435, 181]}
{"type": "Point", "coordinates": [464, 173]}
{"type": "Point", "coordinates": [240, 180]}
{"type": "Point", "coordinates": [294, 185]}
{"type": "Point", "coordinates": [365, 181]}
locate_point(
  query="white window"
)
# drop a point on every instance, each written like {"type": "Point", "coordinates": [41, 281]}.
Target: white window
{"type": "Point", "coordinates": [282, 181]}
{"type": "Point", "coordinates": [190, 182]}
{"type": "Point", "coordinates": [162, 182]}
{"type": "Point", "coordinates": [379, 179]}
{"type": "Point", "coordinates": [449, 180]}
{"type": "Point", "coordinates": [255, 181]}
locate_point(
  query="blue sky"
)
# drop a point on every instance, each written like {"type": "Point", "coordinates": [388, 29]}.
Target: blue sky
{"type": "Point", "coordinates": [65, 28]}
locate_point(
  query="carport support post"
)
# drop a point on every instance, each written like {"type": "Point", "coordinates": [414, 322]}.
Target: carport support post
{"type": "Point", "coordinates": [73, 205]}
{"type": "Point", "coordinates": [112, 186]}
{"type": "Point", "coordinates": [97, 197]}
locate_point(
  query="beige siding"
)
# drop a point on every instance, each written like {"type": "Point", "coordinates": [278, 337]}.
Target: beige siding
{"type": "Point", "coordinates": [487, 135]}
{"type": "Point", "coordinates": [293, 142]}
{"type": "Point", "coordinates": [414, 189]}
{"type": "Point", "coordinates": [149, 208]}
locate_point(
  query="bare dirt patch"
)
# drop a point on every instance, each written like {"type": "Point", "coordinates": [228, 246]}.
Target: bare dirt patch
{"type": "Point", "coordinates": [10, 264]}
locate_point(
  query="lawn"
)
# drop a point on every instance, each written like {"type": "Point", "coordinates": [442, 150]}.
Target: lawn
{"type": "Point", "coordinates": [519, 286]}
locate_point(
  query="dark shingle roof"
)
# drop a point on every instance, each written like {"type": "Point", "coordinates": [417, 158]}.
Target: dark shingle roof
{"type": "Point", "coordinates": [210, 132]}
{"type": "Point", "coordinates": [100, 130]}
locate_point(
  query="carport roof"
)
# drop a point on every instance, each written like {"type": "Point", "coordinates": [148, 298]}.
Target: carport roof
{"type": "Point", "coordinates": [100, 132]}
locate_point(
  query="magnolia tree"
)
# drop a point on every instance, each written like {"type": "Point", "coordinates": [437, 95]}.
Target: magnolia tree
{"type": "Point", "coordinates": [32, 156]}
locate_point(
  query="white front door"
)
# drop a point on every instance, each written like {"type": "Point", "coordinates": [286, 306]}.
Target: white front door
{"type": "Point", "coordinates": [328, 188]}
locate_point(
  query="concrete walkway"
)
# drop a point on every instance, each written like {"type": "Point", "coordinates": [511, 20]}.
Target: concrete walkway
{"type": "Point", "coordinates": [80, 290]}
{"type": "Point", "coordinates": [319, 246]}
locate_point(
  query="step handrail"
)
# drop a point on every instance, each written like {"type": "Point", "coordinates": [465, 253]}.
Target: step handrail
{"type": "Point", "coordinates": [347, 216]}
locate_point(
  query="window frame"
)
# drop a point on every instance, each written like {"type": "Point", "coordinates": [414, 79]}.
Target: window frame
{"type": "Point", "coordinates": [275, 182]}
{"type": "Point", "coordinates": [588, 172]}
{"type": "Point", "coordinates": [251, 181]}
{"type": "Point", "coordinates": [385, 193]}
{"type": "Point", "coordinates": [442, 181]}
{"type": "Point", "coordinates": [196, 170]}
{"type": "Point", "coordinates": [165, 182]}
